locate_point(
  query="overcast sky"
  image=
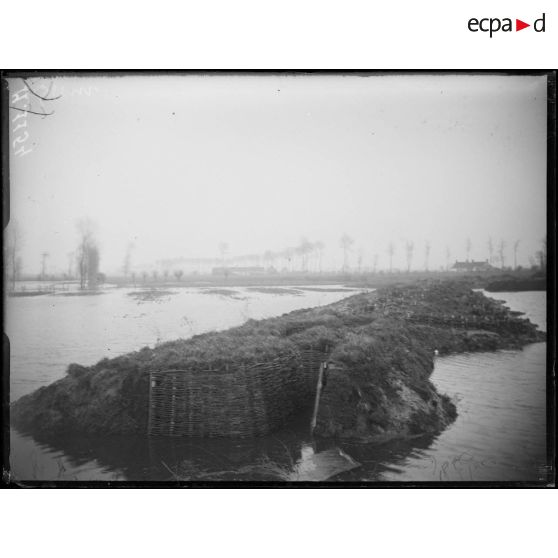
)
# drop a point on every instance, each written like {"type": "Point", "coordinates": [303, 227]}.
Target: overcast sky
{"type": "Point", "coordinates": [177, 165]}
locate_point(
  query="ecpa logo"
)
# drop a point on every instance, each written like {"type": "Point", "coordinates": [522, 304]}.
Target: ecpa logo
{"type": "Point", "coordinates": [494, 24]}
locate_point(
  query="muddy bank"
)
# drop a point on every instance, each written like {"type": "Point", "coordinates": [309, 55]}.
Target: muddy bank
{"type": "Point", "coordinates": [513, 284]}
{"type": "Point", "coordinates": [274, 290]}
{"type": "Point", "coordinates": [222, 292]}
{"type": "Point", "coordinates": [380, 346]}
{"type": "Point", "coordinates": [151, 295]}
{"type": "Point", "coordinates": [28, 293]}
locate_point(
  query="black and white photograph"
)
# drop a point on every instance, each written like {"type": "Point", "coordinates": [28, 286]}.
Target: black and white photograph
{"type": "Point", "coordinates": [287, 278]}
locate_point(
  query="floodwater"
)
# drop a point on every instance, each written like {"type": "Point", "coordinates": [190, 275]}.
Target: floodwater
{"type": "Point", "coordinates": [499, 434]}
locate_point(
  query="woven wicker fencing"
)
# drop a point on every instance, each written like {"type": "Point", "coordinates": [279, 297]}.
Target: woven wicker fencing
{"type": "Point", "coordinates": [244, 402]}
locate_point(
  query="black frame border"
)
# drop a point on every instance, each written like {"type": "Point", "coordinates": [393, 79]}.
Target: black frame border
{"type": "Point", "coordinates": [551, 75]}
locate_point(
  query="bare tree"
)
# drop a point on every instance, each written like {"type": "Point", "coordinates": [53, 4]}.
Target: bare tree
{"type": "Point", "coordinates": [448, 258]}
{"type": "Point", "coordinates": [178, 273]}
{"type": "Point", "coordinates": [12, 248]}
{"type": "Point", "coordinates": [299, 253]}
{"type": "Point", "coordinates": [359, 260]}
{"type": "Point", "coordinates": [347, 244]}
{"type": "Point", "coordinates": [127, 265]}
{"type": "Point", "coordinates": [312, 256]}
{"type": "Point", "coordinates": [426, 254]}
{"type": "Point", "coordinates": [490, 250]}
{"type": "Point", "coordinates": [71, 259]}
{"type": "Point", "coordinates": [409, 249]}
{"type": "Point", "coordinates": [375, 262]}
{"type": "Point", "coordinates": [87, 255]}
{"type": "Point", "coordinates": [289, 256]}
{"type": "Point", "coordinates": [541, 254]}
{"type": "Point", "coordinates": [93, 261]}
{"type": "Point", "coordinates": [304, 249]}
{"type": "Point", "coordinates": [515, 248]}
{"type": "Point", "coordinates": [501, 252]}
{"type": "Point", "coordinates": [18, 265]}
{"type": "Point", "coordinates": [268, 258]}
{"type": "Point", "coordinates": [391, 252]}
{"type": "Point", "coordinates": [468, 246]}
{"type": "Point", "coordinates": [44, 257]}
{"type": "Point", "coordinates": [223, 252]}
{"type": "Point", "coordinates": [319, 246]}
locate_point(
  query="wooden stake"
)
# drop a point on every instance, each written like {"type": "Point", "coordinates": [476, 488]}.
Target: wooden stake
{"type": "Point", "coordinates": [317, 400]}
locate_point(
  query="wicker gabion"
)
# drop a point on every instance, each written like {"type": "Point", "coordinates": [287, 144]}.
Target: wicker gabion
{"type": "Point", "coordinates": [241, 402]}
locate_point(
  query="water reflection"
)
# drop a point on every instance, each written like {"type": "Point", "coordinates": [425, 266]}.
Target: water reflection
{"type": "Point", "coordinates": [142, 458]}
{"type": "Point", "coordinates": [289, 455]}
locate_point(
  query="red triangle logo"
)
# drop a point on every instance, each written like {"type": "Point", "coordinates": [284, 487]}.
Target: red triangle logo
{"type": "Point", "coordinates": [519, 25]}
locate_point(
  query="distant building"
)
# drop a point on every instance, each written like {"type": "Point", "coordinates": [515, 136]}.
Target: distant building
{"type": "Point", "coordinates": [471, 266]}
{"type": "Point", "coordinates": [249, 270]}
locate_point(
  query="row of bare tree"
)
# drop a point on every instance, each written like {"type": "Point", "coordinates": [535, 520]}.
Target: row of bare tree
{"type": "Point", "coordinates": [307, 256]}
{"type": "Point", "coordinates": [84, 263]}
{"type": "Point", "coordinates": [85, 260]}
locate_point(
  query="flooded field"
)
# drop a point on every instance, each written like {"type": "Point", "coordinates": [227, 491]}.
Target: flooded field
{"type": "Point", "coordinates": [499, 433]}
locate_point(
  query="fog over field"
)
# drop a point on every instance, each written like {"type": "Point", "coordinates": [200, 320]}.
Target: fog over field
{"type": "Point", "coordinates": [220, 166]}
